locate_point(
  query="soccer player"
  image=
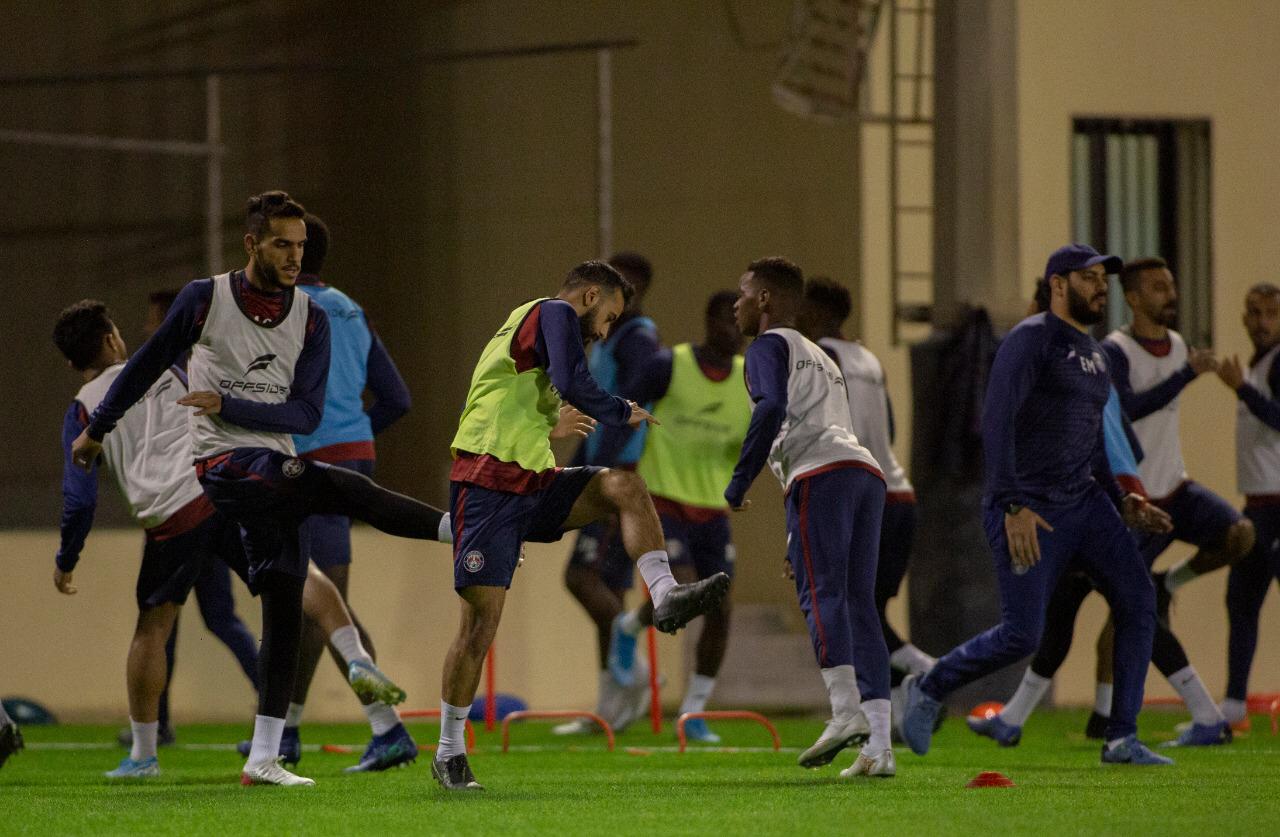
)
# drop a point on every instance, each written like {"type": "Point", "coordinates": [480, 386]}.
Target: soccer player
{"type": "Point", "coordinates": [600, 572]}
{"type": "Point", "coordinates": [1258, 479]}
{"type": "Point", "coordinates": [801, 427]}
{"type": "Point", "coordinates": [826, 307]}
{"type": "Point", "coordinates": [1150, 365]}
{"type": "Point", "coordinates": [10, 736]}
{"type": "Point", "coordinates": [505, 488]}
{"type": "Point", "coordinates": [703, 407]}
{"type": "Point", "coordinates": [258, 368]}
{"type": "Point", "coordinates": [150, 456]}
{"type": "Point", "coordinates": [358, 361]}
{"type": "Point", "coordinates": [1050, 501]}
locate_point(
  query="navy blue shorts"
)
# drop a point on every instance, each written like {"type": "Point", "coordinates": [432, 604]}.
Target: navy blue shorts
{"type": "Point", "coordinates": [329, 535]}
{"type": "Point", "coordinates": [1200, 517]}
{"type": "Point", "coordinates": [706, 546]}
{"type": "Point", "coordinates": [171, 567]}
{"type": "Point", "coordinates": [489, 526]}
{"type": "Point", "coordinates": [599, 547]}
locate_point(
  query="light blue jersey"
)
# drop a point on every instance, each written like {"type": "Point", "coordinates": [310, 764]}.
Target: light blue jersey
{"type": "Point", "coordinates": [1119, 451]}
{"type": "Point", "coordinates": [604, 365]}
{"type": "Point", "coordinates": [345, 420]}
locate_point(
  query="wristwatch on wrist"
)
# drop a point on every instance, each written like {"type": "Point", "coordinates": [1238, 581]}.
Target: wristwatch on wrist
{"type": "Point", "coordinates": [1013, 508]}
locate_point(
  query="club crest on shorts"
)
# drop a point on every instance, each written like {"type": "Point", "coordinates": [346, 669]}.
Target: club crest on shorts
{"type": "Point", "coordinates": [473, 561]}
{"type": "Point", "coordinates": [293, 468]}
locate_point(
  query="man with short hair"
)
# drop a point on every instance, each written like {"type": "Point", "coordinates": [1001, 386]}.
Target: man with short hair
{"type": "Point", "coordinates": [834, 495]}
{"type": "Point", "coordinates": [826, 308]}
{"type": "Point", "coordinates": [1258, 479]}
{"type": "Point", "coordinates": [258, 368]}
{"type": "Point", "coordinates": [1150, 365]}
{"type": "Point", "coordinates": [1051, 501]}
{"type": "Point", "coordinates": [505, 488]}
{"type": "Point", "coordinates": [701, 400]}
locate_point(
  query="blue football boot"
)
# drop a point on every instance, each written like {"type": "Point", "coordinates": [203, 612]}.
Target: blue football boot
{"type": "Point", "coordinates": [1132, 751]}
{"type": "Point", "coordinates": [1204, 735]}
{"type": "Point", "coordinates": [392, 748]}
{"type": "Point", "coordinates": [997, 729]}
{"type": "Point", "coordinates": [130, 769]}
{"type": "Point", "coordinates": [696, 729]}
{"type": "Point", "coordinates": [622, 654]}
{"type": "Point", "coordinates": [919, 717]}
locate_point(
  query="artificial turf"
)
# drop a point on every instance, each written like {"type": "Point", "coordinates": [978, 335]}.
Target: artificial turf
{"type": "Point", "coordinates": [552, 786]}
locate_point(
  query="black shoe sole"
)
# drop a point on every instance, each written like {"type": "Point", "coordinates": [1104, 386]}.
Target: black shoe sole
{"type": "Point", "coordinates": [710, 596]}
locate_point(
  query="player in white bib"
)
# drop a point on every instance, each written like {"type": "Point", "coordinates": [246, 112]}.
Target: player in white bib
{"type": "Point", "coordinates": [258, 369]}
{"type": "Point", "coordinates": [826, 308]}
{"type": "Point", "coordinates": [1150, 364]}
{"type": "Point", "coordinates": [800, 425]}
{"type": "Point", "coordinates": [1258, 479]}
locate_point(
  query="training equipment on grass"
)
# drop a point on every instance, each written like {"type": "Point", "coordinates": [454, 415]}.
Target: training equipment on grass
{"type": "Point", "coordinates": [990, 779]}
{"type": "Point", "coordinates": [727, 715]}
{"type": "Point", "coordinates": [986, 710]}
{"type": "Point", "coordinates": [531, 714]}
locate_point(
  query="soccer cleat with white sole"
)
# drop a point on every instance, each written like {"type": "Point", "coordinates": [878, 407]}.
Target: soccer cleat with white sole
{"type": "Point", "coordinates": [835, 737]}
{"type": "Point", "coordinates": [880, 766]}
{"type": "Point", "coordinates": [1132, 751]}
{"type": "Point", "coordinates": [140, 769]}
{"type": "Point", "coordinates": [455, 774]}
{"type": "Point", "coordinates": [370, 684]}
{"type": "Point", "coordinates": [686, 602]}
{"type": "Point", "coordinates": [579, 726]}
{"type": "Point", "coordinates": [272, 773]}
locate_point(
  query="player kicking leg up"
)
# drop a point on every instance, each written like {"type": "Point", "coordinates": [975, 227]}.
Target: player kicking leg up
{"type": "Point", "coordinates": [1047, 390]}
{"type": "Point", "coordinates": [505, 488]}
{"type": "Point", "coordinates": [800, 426]}
{"type": "Point", "coordinates": [258, 369]}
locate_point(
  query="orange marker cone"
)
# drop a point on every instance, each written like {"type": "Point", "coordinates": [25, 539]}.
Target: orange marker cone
{"type": "Point", "coordinates": [990, 779]}
{"type": "Point", "coordinates": [986, 710]}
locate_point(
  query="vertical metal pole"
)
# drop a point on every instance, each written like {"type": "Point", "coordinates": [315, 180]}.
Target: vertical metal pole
{"type": "Point", "coordinates": [213, 175]}
{"type": "Point", "coordinates": [604, 152]}
{"type": "Point", "coordinates": [894, 290]}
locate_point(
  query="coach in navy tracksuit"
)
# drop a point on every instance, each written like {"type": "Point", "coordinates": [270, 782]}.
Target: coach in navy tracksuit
{"type": "Point", "coordinates": [1051, 502]}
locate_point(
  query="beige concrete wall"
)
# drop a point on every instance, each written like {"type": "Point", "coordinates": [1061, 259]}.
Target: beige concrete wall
{"type": "Point", "coordinates": [1161, 59]}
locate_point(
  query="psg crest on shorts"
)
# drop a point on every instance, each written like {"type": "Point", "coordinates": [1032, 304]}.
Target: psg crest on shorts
{"type": "Point", "coordinates": [473, 561]}
{"type": "Point", "coordinates": [292, 468]}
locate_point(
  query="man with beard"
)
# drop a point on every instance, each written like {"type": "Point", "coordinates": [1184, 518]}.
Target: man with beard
{"type": "Point", "coordinates": [505, 488]}
{"type": "Point", "coordinates": [1258, 476]}
{"type": "Point", "coordinates": [1051, 501]}
{"type": "Point", "coordinates": [1150, 365]}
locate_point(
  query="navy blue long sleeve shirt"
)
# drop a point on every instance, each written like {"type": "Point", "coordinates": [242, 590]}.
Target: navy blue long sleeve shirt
{"type": "Point", "coordinates": [1266, 409]}
{"type": "Point", "coordinates": [391, 399]}
{"type": "Point", "coordinates": [558, 349]}
{"type": "Point", "coordinates": [767, 362]}
{"type": "Point", "coordinates": [1042, 419]}
{"type": "Point", "coordinates": [79, 492]}
{"type": "Point", "coordinates": [1138, 405]}
{"type": "Point", "coordinates": [300, 414]}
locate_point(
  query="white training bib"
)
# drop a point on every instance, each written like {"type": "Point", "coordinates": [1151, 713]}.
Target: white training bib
{"type": "Point", "coordinates": [1257, 445]}
{"type": "Point", "coordinates": [236, 357]}
{"type": "Point", "coordinates": [818, 429]}
{"type": "Point", "coordinates": [1162, 469]}
{"type": "Point", "coordinates": [149, 452]}
{"type": "Point", "coordinates": [868, 406]}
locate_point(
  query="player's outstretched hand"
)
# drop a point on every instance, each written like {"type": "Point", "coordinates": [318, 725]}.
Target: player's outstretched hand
{"type": "Point", "coordinates": [1201, 360]}
{"type": "Point", "coordinates": [573, 422]}
{"type": "Point", "coordinates": [62, 581]}
{"type": "Point", "coordinates": [1141, 515]}
{"type": "Point", "coordinates": [84, 450]}
{"type": "Point", "coordinates": [1231, 372]}
{"type": "Point", "coordinates": [206, 403]}
{"type": "Point", "coordinates": [1024, 543]}
{"type": "Point", "coordinates": [639, 416]}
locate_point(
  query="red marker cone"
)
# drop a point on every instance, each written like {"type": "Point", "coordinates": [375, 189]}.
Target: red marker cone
{"type": "Point", "coordinates": [990, 779]}
{"type": "Point", "coordinates": [986, 710]}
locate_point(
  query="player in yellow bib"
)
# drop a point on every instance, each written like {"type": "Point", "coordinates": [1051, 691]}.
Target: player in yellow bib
{"type": "Point", "coordinates": [505, 487]}
{"type": "Point", "coordinates": [701, 399]}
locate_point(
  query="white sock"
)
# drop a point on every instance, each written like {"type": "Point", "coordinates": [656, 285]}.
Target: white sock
{"type": "Point", "coordinates": [1102, 699]}
{"type": "Point", "coordinates": [842, 688]}
{"type": "Point", "coordinates": [144, 739]}
{"type": "Point", "coordinates": [911, 660]}
{"type": "Point", "coordinates": [266, 740]}
{"type": "Point", "coordinates": [877, 712]}
{"type": "Point", "coordinates": [453, 731]}
{"type": "Point", "coordinates": [630, 624]}
{"type": "Point", "coordinates": [1193, 693]}
{"type": "Point", "coordinates": [1025, 699]}
{"type": "Point", "coordinates": [655, 569]}
{"type": "Point", "coordinates": [1234, 710]}
{"type": "Point", "coordinates": [444, 533]}
{"type": "Point", "coordinates": [293, 716]}
{"type": "Point", "coordinates": [1179, 575]}
{"type": "Point", "coordinates": [382, 718]}
{"type": "Point", "coordinates": [347, 641]}
{"type": "Point", "coordinates": [697, 693]}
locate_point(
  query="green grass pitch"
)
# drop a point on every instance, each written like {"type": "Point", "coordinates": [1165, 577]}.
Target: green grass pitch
{"type": "Point", "coordinates": [552, 786]}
